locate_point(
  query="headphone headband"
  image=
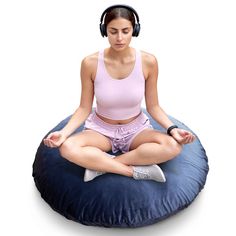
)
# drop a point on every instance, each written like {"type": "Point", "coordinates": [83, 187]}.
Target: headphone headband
{"type": "Point", "coordinates": [136, 26]}
{"type": "Point", "coordinates": [120, 6]}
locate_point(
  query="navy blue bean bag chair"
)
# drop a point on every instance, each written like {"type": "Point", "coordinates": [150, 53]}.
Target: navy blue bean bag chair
{"type": "Point", "coordinates": [117, 201]}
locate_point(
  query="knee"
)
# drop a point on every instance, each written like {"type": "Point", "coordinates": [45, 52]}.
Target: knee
{"type": "Point", "coordinates": [173, 147]}
{"type": "Point", "coordinates": [67, 149]}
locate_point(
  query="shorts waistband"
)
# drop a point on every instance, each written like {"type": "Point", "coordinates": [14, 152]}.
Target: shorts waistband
{"type": "Point", "coordinates": [141, 118]}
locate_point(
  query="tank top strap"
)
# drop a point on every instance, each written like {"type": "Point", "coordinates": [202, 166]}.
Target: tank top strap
{"type": "Point", "coordinates": [101, 54]}
{"type": "Point", "coordinates": [101, 58]}
{"type": "Point", "coordinates": [100, 66]}
{"type": "Point", "coordinates": [138, 57]}
{"type": "Point", "coordinates": [138, 64]}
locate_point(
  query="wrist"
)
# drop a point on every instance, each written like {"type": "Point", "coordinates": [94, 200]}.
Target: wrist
{"type": "Point", "coordinates": [64, 134]}
{"type": "Point", "coordinates": [169, 130]}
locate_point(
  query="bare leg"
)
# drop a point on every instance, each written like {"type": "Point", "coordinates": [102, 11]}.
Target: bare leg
{"type": "Point", "coordinates": [88, 149]}
{"type": "Point", "coordinates": [95, 159]}
{"type": "Point", "coordinates": [150, 147]}
{"type": "Point", "coordinates": [145, 154]}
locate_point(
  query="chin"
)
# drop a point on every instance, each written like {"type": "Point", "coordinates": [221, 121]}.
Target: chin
{"type": "Point", "coordinates": [120, 48]}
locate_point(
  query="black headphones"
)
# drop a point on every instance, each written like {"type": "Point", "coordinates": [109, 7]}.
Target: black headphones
{"type": "Point", "coordinates": [136, 29]}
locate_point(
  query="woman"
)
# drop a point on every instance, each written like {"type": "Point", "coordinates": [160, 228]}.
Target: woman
{"type": "Point", "coordinates": [119, 77]}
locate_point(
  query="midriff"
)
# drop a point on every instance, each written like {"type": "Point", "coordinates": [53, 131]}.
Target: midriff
{"type": "Point", "coordinates": [117, 122]}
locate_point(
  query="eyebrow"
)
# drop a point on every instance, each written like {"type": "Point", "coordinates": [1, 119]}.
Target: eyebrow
{"type": "Point", "coordinates": [121, 29]}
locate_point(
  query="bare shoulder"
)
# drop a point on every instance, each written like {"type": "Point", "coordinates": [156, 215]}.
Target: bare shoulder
{"type": "Point", "coordinates": [149, 64]}
{"type": "Point", "coordinates": [90, 59]}
{"type": "Point", "coordinates": [89, 63]}
{"type": "Point", "coordinates": [148, 59]}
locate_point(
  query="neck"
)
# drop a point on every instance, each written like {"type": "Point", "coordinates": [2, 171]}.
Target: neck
{"type": "Point", "coordinates": [119, 55]}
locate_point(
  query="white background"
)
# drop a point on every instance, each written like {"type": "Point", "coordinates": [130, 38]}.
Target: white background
{"type": "Point", "coordinates": [41, 46]}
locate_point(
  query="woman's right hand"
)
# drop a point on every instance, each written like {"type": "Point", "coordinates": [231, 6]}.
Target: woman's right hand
{"type": "Point", "coordinates": [54, 139]}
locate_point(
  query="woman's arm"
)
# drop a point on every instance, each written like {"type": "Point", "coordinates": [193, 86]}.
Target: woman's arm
{"type": "Point", "coordinates": [55, 139]}
{"type": "Point", "coordinates": [86, 99]}
{"type": "Point", "coordinates": [151, 96]}
{"type": "Point", "coordinates": [152, 103]}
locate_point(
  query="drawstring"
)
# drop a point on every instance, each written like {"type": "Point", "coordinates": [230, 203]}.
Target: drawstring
{"type": "Point", "coordinates": [117, 141]}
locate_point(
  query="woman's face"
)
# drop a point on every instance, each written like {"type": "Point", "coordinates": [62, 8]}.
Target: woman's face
{"type": "Point", "coordinates": [119, 33]}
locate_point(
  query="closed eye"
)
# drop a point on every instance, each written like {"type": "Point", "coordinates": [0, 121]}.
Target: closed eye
{"type": "Point", "coordinates": [124, 31]}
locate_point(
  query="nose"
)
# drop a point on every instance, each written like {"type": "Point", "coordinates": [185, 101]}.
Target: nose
{"type": "Point", "coordinates": [119, 36]}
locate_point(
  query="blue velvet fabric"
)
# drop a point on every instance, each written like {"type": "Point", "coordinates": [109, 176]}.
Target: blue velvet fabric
{"type": "Point", "coordinates": [117, 201]}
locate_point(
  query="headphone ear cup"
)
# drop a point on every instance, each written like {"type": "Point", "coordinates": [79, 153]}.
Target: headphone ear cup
{"type": "Point", "coordinates": [136, 30]}
{"type": "Point", "coordinates": [103, 30]}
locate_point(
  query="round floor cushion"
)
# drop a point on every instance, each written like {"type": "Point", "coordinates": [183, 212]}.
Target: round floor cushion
{"type": "Point", "coordinates": [113, 200]}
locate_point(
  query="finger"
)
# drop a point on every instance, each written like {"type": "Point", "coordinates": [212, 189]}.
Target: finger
{"type": "Point", "coordinates": [49, 143]}
{"type": "Point", "coordinates": [49, 136]}
{"type": "Point", "coordinates": [186, 139]}
{"type": "Point", "coordinates": [180, 133]}
{"type": "Point", "coordinates": [193, 138]}
{"type": "Point", "coordinates": [190, 138]}
{"type": "Point", "coordinates": [183, 132]}
{"type": "Point", "coordinates": [53, 143]}
{"type": "Point", "coordinates": [46, 142]}
{"type": "Point", "coordinates": [180, 140]}
{"type": "Point", "coordinates": [53, 136]}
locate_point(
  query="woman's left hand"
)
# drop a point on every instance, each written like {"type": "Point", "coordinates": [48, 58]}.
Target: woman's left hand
{"type": "Point", "coordinates": [182, 136]}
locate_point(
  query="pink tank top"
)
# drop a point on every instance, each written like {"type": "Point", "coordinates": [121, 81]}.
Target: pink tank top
{"type": "Point", "coordinates": [119, 99]}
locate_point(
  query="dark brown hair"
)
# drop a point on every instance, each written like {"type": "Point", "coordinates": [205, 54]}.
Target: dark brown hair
{"type": "Point", "coordinates": [119, 12]}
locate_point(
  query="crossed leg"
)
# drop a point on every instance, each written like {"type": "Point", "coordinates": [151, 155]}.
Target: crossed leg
{"type": "Point", "coordinates": [149, 147]}
{"type": "Point", "coordinates": [88, 149]}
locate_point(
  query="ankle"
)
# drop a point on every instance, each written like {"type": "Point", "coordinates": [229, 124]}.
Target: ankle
{"type": "Point", "coordinates": [130, 171]}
